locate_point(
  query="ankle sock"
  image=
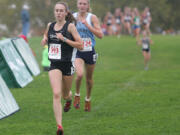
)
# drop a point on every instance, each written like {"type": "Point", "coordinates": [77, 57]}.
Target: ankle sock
{"type": "Point", "coordinates": [76, 94]}
{"type": "Point", "coordinates": [87, 99]}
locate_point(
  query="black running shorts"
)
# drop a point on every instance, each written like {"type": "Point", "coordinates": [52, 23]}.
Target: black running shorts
{"type": "Point", "coordinates": [67, 68]}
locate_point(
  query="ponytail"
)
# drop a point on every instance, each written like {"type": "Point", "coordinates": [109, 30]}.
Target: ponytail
{"type": "Point", "coordinates": [89, 9]}
{"type": "Point", "coordinates": [70, 18]}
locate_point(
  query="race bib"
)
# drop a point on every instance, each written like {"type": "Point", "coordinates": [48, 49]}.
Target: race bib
{"type": "Point", "coordinates": [145, 21]}
{"type": "Point", "coordinates": [118, 21]}
{"type": "Point", "coordinates": [87, 44]}
{"type": "Point", "coordinates": [54, 51]}
{"type": "Point", "coordinates": [145, 46]}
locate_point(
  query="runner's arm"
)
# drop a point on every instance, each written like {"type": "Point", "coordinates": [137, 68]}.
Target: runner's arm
{"type": "Point", "coordinates": [45, 36]}
{"type": "Point", "coordinates": [95, 29]}
{"type": "Point", "coordinates": [77, 43]}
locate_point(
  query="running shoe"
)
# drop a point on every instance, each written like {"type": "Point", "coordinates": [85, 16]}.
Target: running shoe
{"type": "Point", "coordinates": [67, 105]}
{"type": "Point", "coordinates": [87, 106]}
{"type": "Point", "coordinates": [77, 102]}
{"type": "Point", "coordinates": [60, 131]}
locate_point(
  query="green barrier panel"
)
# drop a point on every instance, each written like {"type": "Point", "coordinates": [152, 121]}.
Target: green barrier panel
{"type": "Point", "coordinates": [8, 104]}
{"type": "Point", "coordinates": [12, 67]}
{"type": "Point", "coordinates": [26, 54]}
{"type": "Point", "coordinates": [4, 71]}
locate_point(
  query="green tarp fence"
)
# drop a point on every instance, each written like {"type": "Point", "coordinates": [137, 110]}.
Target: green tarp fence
{"type": "Point", "coordinates": [8, 104]}
{"type": "Point", "coordinates": [12, 67]}
{"type": "Point", "coordinates": [26, 54]}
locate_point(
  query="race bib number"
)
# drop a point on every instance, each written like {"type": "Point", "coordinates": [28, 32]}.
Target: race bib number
{"type": "Point", "coordinates": [54, 51]}
{"type": "Point", "coordinates": [145, 46]}
{"type": "Point", "coordinates": [87, 44]}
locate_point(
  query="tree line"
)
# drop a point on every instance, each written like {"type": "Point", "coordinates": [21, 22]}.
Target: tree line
{"type": "Point", "coordinates": [165, 13]}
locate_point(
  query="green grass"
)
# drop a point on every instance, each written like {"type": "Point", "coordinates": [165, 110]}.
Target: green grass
{"type": "Point", "coordinates": [126, 100]}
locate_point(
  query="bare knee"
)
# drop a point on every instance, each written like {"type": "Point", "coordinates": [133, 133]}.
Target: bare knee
{"type": "Point", "coordinates": [79, 76]}
{"type": "Point", "coordinates": [56, 95]}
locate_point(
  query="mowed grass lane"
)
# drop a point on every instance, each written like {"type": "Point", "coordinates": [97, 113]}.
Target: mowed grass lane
{"type": "Point", "coordinates": [126, 100]}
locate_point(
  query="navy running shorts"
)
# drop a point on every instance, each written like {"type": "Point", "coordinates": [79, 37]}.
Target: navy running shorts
{"type": "Point", "coordinates": [135, 27]}
{"type": "Point", "coordinates": [88, 57]}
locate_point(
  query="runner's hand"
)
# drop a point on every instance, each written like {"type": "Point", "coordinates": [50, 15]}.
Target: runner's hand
{"type": "Point", "coordinates": [84, 22]}
{"type": "Point", "coordinates": [60, 36]}
{"type": "Point", "coordinates": [44, 41]}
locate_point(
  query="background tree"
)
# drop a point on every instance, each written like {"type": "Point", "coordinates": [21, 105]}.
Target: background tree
{"type": "Point", "coordinates": [165, 13]}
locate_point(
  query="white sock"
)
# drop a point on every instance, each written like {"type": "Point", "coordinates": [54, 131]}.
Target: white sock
{"type": "Point", "coordinates": [76, 94]}
{"type": "Point", "coordinates": [86, 99]}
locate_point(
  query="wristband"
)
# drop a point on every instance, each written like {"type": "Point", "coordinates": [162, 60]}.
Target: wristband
{"type": "Point", "coordinates": [64, 39]}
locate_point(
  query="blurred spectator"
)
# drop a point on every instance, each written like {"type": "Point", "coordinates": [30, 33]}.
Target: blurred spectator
{"type": "Point", "coordinates": [25, 19]}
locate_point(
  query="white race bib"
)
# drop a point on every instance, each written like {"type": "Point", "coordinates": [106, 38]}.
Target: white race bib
{"type": "Point", "coordinates": [145, 46]}
{"type": "Point", "coordinates": [118, 21]}
{"type": "Point", "coordinates": [87, 44]}
{"type": "Point", "coordinates": [145, 21]}
{"type": "Point", "coordinates": [54, 51]}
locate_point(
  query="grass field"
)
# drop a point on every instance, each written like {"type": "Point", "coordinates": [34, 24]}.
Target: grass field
{"type": "Point", "coordinates": [126, 99]}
